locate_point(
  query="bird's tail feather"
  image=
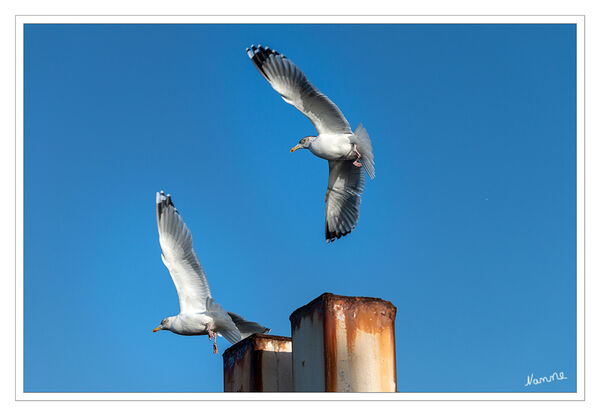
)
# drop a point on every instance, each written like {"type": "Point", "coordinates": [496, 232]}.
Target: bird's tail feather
{"type": "Point", "coordinates": [363, 142]}
{"type": "Point", "coordinates": [247, 328]}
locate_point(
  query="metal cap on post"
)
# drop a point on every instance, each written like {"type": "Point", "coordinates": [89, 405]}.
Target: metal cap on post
{"type": "Point", "coordinates": [259, 363]}
{"type": "Point", "coordinates": [344, 344]}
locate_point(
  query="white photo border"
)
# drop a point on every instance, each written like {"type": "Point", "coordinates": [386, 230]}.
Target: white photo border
{"type": "Point", "coordinates": [21, 20]}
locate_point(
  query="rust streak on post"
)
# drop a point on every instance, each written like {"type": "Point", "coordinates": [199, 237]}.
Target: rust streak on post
{"type": "Point", "coordinates": [330, 351]}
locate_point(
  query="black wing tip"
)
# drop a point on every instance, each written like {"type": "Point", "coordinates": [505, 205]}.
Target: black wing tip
{"type": "Point", "coordinates": [265, 50]}
{"type": "Point", "coordinates": [259, 56]}
{"type": "Point", "coordinates": [330, 236]}
{"type": "Point", "coordinates": [163, 200]}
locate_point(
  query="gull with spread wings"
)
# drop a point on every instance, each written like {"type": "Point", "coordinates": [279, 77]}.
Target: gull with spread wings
{"type": "Point", "coordinates": [348, 153]}
{"type": "Point", "coordinates": [198, 314]}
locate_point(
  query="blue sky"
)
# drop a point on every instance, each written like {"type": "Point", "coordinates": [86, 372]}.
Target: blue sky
{"type": "Point", "coordinates": [468, 227]}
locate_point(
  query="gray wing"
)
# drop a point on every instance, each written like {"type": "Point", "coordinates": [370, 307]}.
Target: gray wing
{"type": "Point", "coordinates": [247, 328]}
{"type": "Point", "coordinates": [224, 325]}
{"type": "Point", "coordinates": [179, 257]}
{"type": "Point", "coordinates": [293, 86]}
{"type": "Point", "coordinates": [346, 183]}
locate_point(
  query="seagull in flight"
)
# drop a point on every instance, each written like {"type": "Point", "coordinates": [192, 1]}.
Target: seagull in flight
{"type": "Point", "coordinates": [198, 314]}
{"type": "Point", "coordinates": [348, 153]}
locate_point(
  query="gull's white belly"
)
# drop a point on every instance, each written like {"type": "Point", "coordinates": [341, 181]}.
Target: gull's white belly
{"type": "Point", "coordinates": [332, 147]}
{"type": "Point", "coordinates": [193, 324]}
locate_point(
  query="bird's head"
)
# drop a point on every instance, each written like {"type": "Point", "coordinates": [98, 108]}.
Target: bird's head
{"type": "Point", "coordinates": [164, 324]}
{"type": "Point", "coordinates": [304, 143]}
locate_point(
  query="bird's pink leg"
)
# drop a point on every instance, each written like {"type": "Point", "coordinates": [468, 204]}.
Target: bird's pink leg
{"type": "Point", "coordinates": [358, 156]}
{"type": "Point", "coordinates": [213, 337]}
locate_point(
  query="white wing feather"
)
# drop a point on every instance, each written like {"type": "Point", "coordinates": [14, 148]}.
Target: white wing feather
{"type": "Point", "coordinates": [179, 257]}
{"type": "Point", "coordinates": [293, 86]}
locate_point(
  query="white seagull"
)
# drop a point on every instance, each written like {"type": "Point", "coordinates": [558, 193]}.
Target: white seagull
{"type": "Point", "coordinates": [198, 314]}
{"type": "Point", "coordinates": [346, 151]}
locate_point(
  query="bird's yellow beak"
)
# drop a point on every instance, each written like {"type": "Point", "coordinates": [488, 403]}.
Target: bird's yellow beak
{"type": "Point", "coordinates": [293, 149]}
{"type": "Point", "coordinates": [158, 328]}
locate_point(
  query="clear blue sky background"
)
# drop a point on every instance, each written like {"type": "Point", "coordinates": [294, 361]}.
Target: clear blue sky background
{"type": "Point", "coordinates": [468, 228]}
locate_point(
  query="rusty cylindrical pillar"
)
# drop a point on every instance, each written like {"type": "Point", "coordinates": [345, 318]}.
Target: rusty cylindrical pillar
{"type": "Point", "coordinates": [259, 363]}
{"type": "Point", "coordinates": [344, 344]}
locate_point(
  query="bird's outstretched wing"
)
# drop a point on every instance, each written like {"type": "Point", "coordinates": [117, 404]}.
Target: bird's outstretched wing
{"type": "Point", "coordinates": [346, 183]}
{"type": "Point", "coordinates": [179, 257]}
{"type": "Point", "coordinates": [293, 86]}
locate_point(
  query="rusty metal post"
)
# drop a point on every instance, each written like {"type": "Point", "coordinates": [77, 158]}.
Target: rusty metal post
{"type": "Point", "coordinates": [259, 363]}
{"type": "Point", "coordinates": [344, 344]}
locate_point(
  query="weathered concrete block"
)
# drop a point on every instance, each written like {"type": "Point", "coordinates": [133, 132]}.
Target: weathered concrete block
{"type": "Point", "coordinates": [344, 344]}
{"type": "Point", "coordinates": [259, 363]}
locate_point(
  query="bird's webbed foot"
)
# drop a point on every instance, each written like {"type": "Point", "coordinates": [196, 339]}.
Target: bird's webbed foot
{"type": "Point", "coordinates": [358, 156]}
